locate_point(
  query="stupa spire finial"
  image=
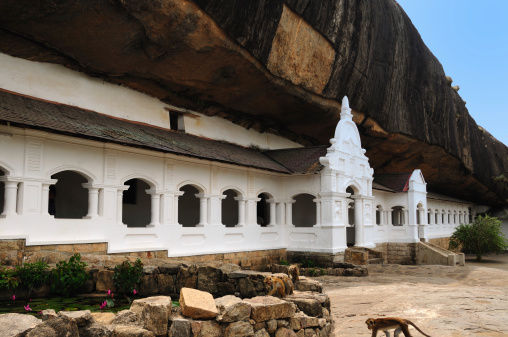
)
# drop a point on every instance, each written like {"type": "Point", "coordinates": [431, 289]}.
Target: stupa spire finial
{"type": "Point", "coordinates": [345, 111]}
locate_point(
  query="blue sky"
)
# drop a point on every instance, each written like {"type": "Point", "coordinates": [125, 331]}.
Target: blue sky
{"type": "Point", "coordinates": [470, 39]}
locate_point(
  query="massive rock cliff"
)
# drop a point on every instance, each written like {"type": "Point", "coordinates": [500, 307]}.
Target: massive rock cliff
{"type": "Point", "coordinates": [278, 66]}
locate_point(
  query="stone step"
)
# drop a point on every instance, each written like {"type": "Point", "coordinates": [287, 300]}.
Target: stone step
{"type": "Point", "coordinates": [375, 261]}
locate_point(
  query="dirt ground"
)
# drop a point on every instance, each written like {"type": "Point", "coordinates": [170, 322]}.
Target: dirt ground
{"type": "Point", "coordinates": [442, 301]}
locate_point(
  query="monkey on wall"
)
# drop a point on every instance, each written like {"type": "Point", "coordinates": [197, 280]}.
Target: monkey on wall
{"type": "Point", "coordinates": [294, 273]}
{"type": "Point", "coordinates": [388, 323]}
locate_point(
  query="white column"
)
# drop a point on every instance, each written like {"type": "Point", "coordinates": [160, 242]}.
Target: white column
{"type": "Point", "coordinates": [203, 209]}
{"type": "Point", "coordinates": [10, 197]}
{"type": "Point", "coordinates": [289, 212]}
{"type": "Point", "coordinates": [272, 222]}
{"type": "Point", "coordinates": [318, 212]}
{"type": "Point", "coordinates": [281, 212]}
{"type": "Point", "coordinates": [214, 209]}
{"type": "Point", "coordinates": [359, 223]}
{"type": "Point", "coordinates": [154, 207]}
{"type": "Point", "coordinates": [241, 211]}
{"type": "Point", "coordinates": [93, 201]}
{"type": "Point", "coordinates": [119, 205]}
{"type": "Point", "coordinates": [251, 213]}
{"type": "Point", "coordinates": [45, 199]}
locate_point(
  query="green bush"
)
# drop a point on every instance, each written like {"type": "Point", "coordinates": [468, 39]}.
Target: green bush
{"type": "Point", "coordinates": [308, 263]}
{"type": "Point", "coordinates": [9, 279]}
{"type": "Point", "coordinates": [482, 237]}
{"type": "Point", "coordinates": [313, 272]}
{"type": "Point", "coordinates": [33, 275]}
{"type": "Point", "coordinates": [68, 277]}
{"type": "Point", "coordinates": [284, 263]}
{"type": "Point", "coordinates": [127, 276]}
{"type": "Point", "coordinates": [322, 271]}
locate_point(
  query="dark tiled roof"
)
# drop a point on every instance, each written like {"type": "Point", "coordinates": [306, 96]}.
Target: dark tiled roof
{"type": "Point", "coordinates": [380, 187]}
{"type": "Point", "coordinates": [299, 160]}
{"type": "Point", "coordinates": [398, 182]}
{"type": "Point", "coordinates": [438, 196]}
{"type": "Point", "coordinates": [33, 113]}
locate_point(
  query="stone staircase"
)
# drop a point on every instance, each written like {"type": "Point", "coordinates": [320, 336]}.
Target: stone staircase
{"type": "Point", "coordinates": [363, 256]}
{"type": "Point", "coordinates": [429, 254]}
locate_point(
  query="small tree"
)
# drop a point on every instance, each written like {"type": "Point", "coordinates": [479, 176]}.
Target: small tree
{"type": "Point", "coordinates": [482, 237]}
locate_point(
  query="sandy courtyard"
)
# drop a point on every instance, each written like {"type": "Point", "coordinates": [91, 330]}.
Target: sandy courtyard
{"type": "Point", "coordinates": [442, 301]}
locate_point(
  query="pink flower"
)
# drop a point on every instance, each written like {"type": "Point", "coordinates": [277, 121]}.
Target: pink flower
{"type": "Point", "coordinates": [27, 307]}
{"type": "Point", "coordinates": [134, 291]}
{"type": "Point", "coordinates": [13, 297]}
{"type": "Point", "coordinates": [103, 305]}
{"type": "Point", "coordinates": [109, 292]}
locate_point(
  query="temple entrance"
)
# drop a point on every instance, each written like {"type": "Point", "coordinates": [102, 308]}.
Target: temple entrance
{"type": "Point", "coordinates": [263, 210]}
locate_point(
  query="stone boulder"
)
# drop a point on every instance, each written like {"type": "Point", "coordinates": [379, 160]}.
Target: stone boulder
{"type": "Point", "coordinates": [180, 327]}
{"type": "Point", "coordinates": [232, 309]}
{"type": "Point", "coordinates": [48, 314]}
{"type": "Point", "coordinates": [206, 329]}
{"type": "Point", "coordinates": [261, 333]}
{"type": "Point", "coordinates": [306, 284]}
{"type": "Point", "coordinates": [247, 288]}
{"type": "Point", "coordinates": [131, 331]}
{"type": "Point", "coordinates": [125, 317]}
{"type": "Point", "coordinates": [104, 318]}
{"type": "Point", "coordinates": [285, 332]}
{"type": "Point", "coordinates": [153, 313]}
{"type": "Point", "coordinates": [17, 324]}
{"type": "Point", "coordinates": [309, 305]}
{"type": "Point", "coordinates": [239, 329]}
{"type": "Point", "coordinates": [208, 279]}
{"type": "Point", "coordinates": [197, 304]}
{"type": "Point", "coordinates": [301, 321]}
{"type": "Point", "coordinates": [265, 308]}
{"type": "Point", "coordinates": [148, 285]}
{"type": "Point", "coordinates": [166, 284]}
{"type": "Point", "coordinates": [95, 330]}
{"type": "Point", "coordinates": [56, 327]}
{"type": "Point", "coordinates": [105, 281]}
{"type": "Point", "coordinates": [81, 317]}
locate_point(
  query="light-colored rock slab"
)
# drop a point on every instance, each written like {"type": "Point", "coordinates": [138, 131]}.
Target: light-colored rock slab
{"type": "Point", "coordinates": [81, 317]}
{"type": "Point", "coordinates": [284, 332]}
{"type": "Point", "coordinates": [13, 324]}
{"type": "Point", "coordinates": [197, 304]}
{"type": "Point", "coordinates": [104, 318]}
{"type": "Point", "coordinates": [265, 308]}
{"type": "Point", "coordinates": [301, 321]}
{"type": "Point", "coordinates": [206, 329]}
{"type": "Point", "coordinates": [131, 331]}
{"type": "Point", "coordinates": [232, 309]}
{"type": "Point", "coordinates": [153, 313]}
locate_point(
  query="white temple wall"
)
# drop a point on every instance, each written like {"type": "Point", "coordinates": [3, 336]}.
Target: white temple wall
{"type": "Point", "coordinates": [455, 213]}
{"type": "Point", "coordinates": [59, 84]}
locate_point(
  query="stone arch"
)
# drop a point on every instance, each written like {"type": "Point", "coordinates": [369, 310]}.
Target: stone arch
{"type": "Point", "coordinates": [198, 186]}
{"type": "Point", "coordinates": [354, 185]}
{"type": "Point", "coordinates": [68, 198]}
{"type": "Point", "coordinates": [136, 202]}
{"type": "Point", "coordinates": [90, 177]}
{"type": "Point", "coordinates": [263, 217]}
{"type": "Point", "coordinates": [6, 169]}
{"type": "Point", "coordinates": [419, 213]}
{"type": "Point", "coordinates": [146, 179]}
{"type": "Point", "coordinates": [304, 210]}
{"type": "Point", "coordinates": [189, 204]}
{"type": "Point", "coordinates": [230, 207]}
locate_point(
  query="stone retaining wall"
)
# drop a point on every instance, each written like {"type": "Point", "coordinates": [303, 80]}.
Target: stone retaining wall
{"type": "Point", "coordinates": [440, 242]}
{"type": "Point", "coordinates": [168, 279]}
{"type": "Point", "coordinates": [15, 252]}
{"type": "Point", "coordinates": [398, 253]}
{"type": "Point", "coordinates": [298, 315]}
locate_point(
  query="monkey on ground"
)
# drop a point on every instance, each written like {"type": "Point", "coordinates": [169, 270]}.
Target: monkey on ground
{"type": "Point", "coordinates": [275, 286]}
{"type": "Point", "coordinates": [294, 273]}
{"type": "Point", "coordinates": [280, 284]}
{"type": "Point", "coordinates": [388, 323]}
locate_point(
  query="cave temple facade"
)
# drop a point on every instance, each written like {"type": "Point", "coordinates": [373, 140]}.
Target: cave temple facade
{"type": "Point", "coordinates": [84, 161]}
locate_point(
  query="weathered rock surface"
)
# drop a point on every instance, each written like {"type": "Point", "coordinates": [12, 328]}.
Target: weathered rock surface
{"type": "Point", "coordinates": [232, 309]}
{"type": "Point", "coordinates": [230, 60]}
{"type": "Point", "coordinates": [180, 327]}
{"type": "Point", "coordinates": [81, 317]}
{"type": "Point", "coordinates": [206, 329]}
{"type": "Point", "coordinates": [56, 327]}
{"type": "Point", "coordinates": [197, 304]}
{"type": "Point", "coordinates": [131, 331]}
{"type": "Point", "coordinates": [12, 325]}
{"type": "Point", "coordinates": [238, 329]}
{"type": "Point", "coordinates": [153, 313]}
{"type": "Point", "coordinates": [265, 308]}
